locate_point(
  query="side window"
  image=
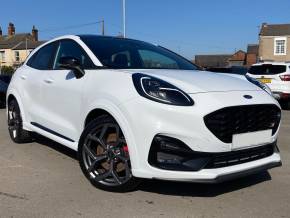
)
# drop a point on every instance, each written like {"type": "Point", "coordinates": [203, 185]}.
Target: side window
{"type": "Point", "coordinates": [69, 48]}
{"type": "Point", "coordinates": [42, 59]}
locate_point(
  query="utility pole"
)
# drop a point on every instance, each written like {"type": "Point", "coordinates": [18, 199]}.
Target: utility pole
{"type": "Point", "coordinates": [103, 27]}
{"type": "Point", "coordinates": [124, 18]}
{"type": "Point", "coordinates": [26, 47]}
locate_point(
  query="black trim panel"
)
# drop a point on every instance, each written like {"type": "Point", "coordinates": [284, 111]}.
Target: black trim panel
{"type": "Point", "coordinates": [244, 173]}
{"type": "Point", "coordinates": [232, 176]}
{"type": "Point", "coordinates": [51, 131]}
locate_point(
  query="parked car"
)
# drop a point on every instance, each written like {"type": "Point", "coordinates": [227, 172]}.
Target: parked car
{"type": "Point", "coordinates": [134, 110]}
{"type": "Point", "coordinates": [277, 76]}
{"type": "Point", "coordinates": [4, 82]}
{"type": "Point", "coordinates": [239, 70]}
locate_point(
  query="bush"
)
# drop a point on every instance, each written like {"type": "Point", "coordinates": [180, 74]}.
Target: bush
{"type": "Point", "coordinates": [7, 70]}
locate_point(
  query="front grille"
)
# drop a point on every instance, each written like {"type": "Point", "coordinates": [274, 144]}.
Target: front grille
{"type": "Point", "coordinates": [238, 157]}
{"type": "Point", "coordinates": [226, 122]}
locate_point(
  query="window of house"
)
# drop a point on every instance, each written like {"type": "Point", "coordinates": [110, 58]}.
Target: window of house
{"type": "Point", "coordinates": [2, 56]}
{"type": "Point", "coordinates": [280, 46]}
{"type": "Point", "coordinates": [17, 56]}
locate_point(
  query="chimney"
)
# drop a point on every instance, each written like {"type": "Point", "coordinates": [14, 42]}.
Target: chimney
{"type": "Point", "coordinates": [0, 31]}
{"type": "Point", "coordinates": [11, 29]}
{"type": "Point", "coordinates": [34, 33]}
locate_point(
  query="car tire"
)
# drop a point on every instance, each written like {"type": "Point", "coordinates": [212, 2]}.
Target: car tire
{"type": "Point", "coordinates": [285, 105]}
{"type": "Point", "coordinates": [104, 156]}
{"type": "Point", "coordinates": [15, 126]}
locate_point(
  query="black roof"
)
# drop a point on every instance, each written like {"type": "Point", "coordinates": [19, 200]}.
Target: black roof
{"type": "Point", "coordinates": [275, 29]}
{"type": "Point", "coordinates": [91, 36]}
{"type": "Point", "coordinates": [30, 45]}
{"type": "Point", "coordinates": [18, 41]}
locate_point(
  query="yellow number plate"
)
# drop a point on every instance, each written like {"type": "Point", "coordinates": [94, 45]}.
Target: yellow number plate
{"type": "Point", "coordinates": [265, 80]}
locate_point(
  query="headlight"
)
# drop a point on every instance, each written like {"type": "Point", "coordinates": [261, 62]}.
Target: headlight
{"type": "Point", "coordinates": [259, 84]}
{"type": "Point", "coordinates": [160, 91]}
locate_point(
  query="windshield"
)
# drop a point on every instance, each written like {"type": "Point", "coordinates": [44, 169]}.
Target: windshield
{"type": "Point", "coordinates": [119, 53]}
{"type": "Point", "coordinates": [267, 69]}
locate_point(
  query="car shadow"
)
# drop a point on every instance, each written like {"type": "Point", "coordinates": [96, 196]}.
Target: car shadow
{"type": "Point", "coordinates": [187, 189]}
{"type": "Point", "coordinates": [55, 146]}
{"type": "Point", "coordinates": [184, 189]}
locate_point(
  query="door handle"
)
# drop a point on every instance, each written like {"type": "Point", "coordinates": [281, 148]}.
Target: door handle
{"type": "Point", "coordinates": [23, 77]}
{"type": "Point", "coordinates": [49, 81]}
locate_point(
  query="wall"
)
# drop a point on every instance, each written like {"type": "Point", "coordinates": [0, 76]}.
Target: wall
{"type": "Point", "coordinates": [251, 59]}
{"type": "Point", "coordinates": [266, 49]}
{"type": "Point", "coordinates": [10, 57]}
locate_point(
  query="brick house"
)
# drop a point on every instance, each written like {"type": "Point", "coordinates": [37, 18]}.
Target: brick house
{"type": "Point", "coordinates": [252, 54]}
{"type": "Point", "coordinates": [209, 61]}
{"type": "Point", "coordinates": [239, 58]}
{"type": "Point", "coordinates": [274, 42]}
{"type": "Point", "coordinates": [14, 48]}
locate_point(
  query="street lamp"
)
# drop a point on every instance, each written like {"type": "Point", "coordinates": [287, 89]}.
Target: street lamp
{"type": "Point", "coordinates": [124, 18]}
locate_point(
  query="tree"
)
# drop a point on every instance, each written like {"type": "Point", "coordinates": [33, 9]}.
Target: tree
{"type": "Point", "coordinates": [7, 70]}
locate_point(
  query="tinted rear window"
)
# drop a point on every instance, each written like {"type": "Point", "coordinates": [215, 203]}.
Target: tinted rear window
{"type": "Point", "coordinates": [267, 69]}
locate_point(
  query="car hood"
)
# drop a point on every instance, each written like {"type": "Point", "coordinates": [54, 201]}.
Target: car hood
{"type": "Point", "coordinates": [191, 81]}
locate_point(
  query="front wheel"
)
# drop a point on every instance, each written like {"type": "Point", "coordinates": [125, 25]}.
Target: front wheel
{"type": "Point", "coordinates": [104, 156]}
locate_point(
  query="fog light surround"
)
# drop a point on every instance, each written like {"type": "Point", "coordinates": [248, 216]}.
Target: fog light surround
{"type": "Point", "coordinates": [172, 154]}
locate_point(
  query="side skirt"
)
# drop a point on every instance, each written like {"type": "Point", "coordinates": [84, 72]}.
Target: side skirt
{"type": "Point", "coordinates": [51, 131]}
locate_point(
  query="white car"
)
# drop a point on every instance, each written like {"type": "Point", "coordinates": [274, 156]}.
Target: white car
{"type": "Point", "coordinates": [277, 76]}
{"type": "Point", "coordinates": [134, 110]}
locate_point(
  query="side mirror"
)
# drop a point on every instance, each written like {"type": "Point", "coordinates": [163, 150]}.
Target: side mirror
{"type": "Point", "coordinates": [73, 64]}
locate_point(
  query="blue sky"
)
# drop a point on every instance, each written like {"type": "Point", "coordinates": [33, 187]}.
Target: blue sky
{"type": "Point", "coordinates": [188, 27]}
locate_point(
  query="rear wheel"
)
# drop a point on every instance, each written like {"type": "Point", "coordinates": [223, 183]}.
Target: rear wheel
{"type": "Point", "coordinates": [104, 156]}
{"type": "Point", "coordinates": [15, 127]}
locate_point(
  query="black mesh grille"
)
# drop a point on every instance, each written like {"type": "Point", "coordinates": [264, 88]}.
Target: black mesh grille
{"type": "Point", "coordinates": [239, 157]}
{"type": "Point", "coordinates": [226, 122]}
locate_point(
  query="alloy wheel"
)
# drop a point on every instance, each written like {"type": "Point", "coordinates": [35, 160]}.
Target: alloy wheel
{"type": "Point", "coordinates": [105, 154]}
{"type": "Point", "coordinates": [14, 120]}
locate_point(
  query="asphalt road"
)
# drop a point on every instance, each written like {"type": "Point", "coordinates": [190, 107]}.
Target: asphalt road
{"type": "Point", "coordinates": [43, 179]}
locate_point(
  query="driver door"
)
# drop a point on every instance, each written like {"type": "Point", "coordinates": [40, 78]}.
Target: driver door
{"type": "Point", "coordinates": [63, 92]}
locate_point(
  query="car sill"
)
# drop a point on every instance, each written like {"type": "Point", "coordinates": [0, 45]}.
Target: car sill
{"type": "Point", "coordinates": [51, 131]}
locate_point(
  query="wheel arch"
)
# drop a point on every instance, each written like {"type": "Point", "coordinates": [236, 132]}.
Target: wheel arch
{"type": "Point", "coordinates": [12, 95]}
{"type": "Point", "coordinates": [10, 98]}
{"type": "Point", "coordinates": [118, 115]}
{"type": "Point", "coordinates": [93, 114]}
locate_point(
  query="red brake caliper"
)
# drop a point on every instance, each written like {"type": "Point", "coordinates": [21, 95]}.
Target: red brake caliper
{"type": "Point", "coordinates": [125, 148]}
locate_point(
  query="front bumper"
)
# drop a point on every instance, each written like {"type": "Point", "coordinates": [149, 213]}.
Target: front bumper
{"type": "Point", "coordinates": [147, 119]}
{"type": "Point", "coordinates": [216, 175]}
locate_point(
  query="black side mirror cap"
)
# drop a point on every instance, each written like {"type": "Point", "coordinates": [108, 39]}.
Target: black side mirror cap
{"type": "Point", "coordinates": [72, 63]}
